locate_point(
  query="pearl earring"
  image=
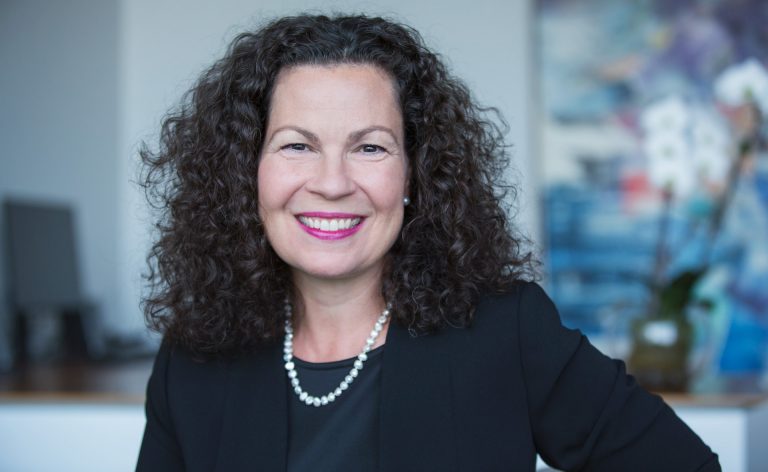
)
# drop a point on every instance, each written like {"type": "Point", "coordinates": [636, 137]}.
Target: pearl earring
{"type": "Point", "coordinates": [406, 201]}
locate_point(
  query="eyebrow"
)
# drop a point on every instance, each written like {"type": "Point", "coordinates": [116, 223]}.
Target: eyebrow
{"type": "Point", "coordinates": [312, 137]}
{"type": "Point", "coordinates": [355, 136]}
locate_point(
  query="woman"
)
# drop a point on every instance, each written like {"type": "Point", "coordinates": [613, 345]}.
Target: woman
{"type": "Point", "coordinates": [339, 289]}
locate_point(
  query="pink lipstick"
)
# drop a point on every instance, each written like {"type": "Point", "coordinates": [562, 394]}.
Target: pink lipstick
{"type": "Point", "coordinates": [330, 226]}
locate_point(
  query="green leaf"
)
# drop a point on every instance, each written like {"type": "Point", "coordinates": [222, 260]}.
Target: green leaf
{"type": "Point", "coordinates": [675, 296]}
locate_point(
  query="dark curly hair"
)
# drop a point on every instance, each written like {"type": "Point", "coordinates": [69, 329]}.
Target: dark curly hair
{"type": "Point", "coordinates": [218, 288]}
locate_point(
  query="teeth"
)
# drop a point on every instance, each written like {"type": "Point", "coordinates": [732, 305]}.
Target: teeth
{"type": "Point", "coordinates": [329, 224]}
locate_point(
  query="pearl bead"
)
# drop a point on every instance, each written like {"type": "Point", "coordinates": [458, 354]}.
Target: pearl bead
{"type": "Point", "coordinates": [290, 367]}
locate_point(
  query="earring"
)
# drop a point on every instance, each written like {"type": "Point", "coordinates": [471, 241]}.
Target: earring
{"type": "Point", "coordinates": [406, 201]}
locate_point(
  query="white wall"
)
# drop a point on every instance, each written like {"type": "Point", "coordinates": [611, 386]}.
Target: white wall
{"type": "Point", "coordinates": [58, 124]}
{"type": "Point", "coordinates": [164, 45]}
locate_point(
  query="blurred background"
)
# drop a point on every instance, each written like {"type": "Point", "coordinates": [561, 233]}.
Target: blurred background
{"type": "Point", "coordinates": [638, 147]}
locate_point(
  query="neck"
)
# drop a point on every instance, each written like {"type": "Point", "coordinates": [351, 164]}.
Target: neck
{"type": "Point", "coordinates": [332, 319]}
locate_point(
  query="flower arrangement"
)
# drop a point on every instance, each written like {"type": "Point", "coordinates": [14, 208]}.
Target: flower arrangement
{"type": "Point", "coordinates": [695, 153]}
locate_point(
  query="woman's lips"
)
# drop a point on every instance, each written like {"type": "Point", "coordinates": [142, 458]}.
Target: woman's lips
{"type": "Point", "coordinates": [330, 226]}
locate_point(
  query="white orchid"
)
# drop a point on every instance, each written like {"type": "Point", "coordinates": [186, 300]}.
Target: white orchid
{"type": "Point", "coordinates": [669, 163]}
{"type": "Point", "coordinates": [742, 83]}
{"type": "Point", "coordinates": [682, 143]}
{"type": "Point", "coordinates": [666, 128]}
{"type": "Point", "coordinates": [710, 145]}
{"type": "Point", "coordinates": [669, 115]}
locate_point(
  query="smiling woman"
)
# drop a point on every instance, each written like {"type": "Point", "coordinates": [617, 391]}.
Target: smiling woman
{"type": "Point", "coordinates": [306, 118]}
{"type": "Point", "coordinates": [339, 287]}
{"type": "Point", "coordinates": [334, 155]}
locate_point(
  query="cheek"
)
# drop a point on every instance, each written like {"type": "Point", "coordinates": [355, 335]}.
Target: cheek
{"type": "Point", "coordinates": [386, 194]}
{"type": "Point", "coordinates": [392, 188]}
{"type": "Point", "coordinates": [271, 198]}
{"type": "Point", "coordinates": [271, 186]}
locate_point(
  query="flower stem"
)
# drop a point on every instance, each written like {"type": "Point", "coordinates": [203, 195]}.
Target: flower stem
{"type": "Point", "coordinates": [660, 264]}
{"type": "Point", "coordinates": [747, 145]}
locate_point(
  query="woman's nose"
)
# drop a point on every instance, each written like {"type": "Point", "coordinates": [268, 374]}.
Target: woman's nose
{"type": "Point", "coordinates": [332, 179]}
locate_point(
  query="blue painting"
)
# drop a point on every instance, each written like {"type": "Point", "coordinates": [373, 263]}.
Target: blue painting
{"type": "Point", "coordinates": [651, 137]}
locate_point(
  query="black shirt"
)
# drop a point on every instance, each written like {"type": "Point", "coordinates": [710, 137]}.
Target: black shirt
{"type": "Point", "coordinates": [342, 435]}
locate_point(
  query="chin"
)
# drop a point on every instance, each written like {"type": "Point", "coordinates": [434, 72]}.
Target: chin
{"type": "Point", "coordinates": [335, 272]}
{"type": "Point", "coordinates": [325, 271]}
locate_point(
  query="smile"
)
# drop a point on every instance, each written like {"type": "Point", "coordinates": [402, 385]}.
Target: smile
{"type": "Point", "coordinates": [330, 226]}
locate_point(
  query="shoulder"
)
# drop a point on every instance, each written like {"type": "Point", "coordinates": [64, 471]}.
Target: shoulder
{"type": "Point", "coordinates": [191, 379]}
{"type": "Point", "coordinates": [180, 365]}
{"type": "Point", "coordinates": [525, 306]}
{"type": "Point", "coordinates": [182, 380]}
{"type": "Point", "coordinates": [503, 324]}
{"type": "Point", "coordinates": [524, 323]}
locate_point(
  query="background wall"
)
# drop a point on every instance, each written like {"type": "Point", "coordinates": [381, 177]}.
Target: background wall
{"type": "Point", "coordinates": [85, 81]}
{"type": "Point", "coordinates": [58, 126]}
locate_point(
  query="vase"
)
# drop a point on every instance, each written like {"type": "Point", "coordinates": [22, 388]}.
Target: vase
{"type": "Point", "coordinates": [660, 352]}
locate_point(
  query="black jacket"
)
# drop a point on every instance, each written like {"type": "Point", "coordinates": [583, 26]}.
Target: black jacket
{"type": "Point", "coordinates": [483, 398]}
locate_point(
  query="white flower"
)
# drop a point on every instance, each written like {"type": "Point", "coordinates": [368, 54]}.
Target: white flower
{"type": "Point", "coordinates": [666, 145]}
{"type": "Point", "coordinates": [742, 83]}
{"type": "Point", "coordinates": [669, 115]}
{"type": "Point", "coordinates": [710, 145]}
{"type": "Point", "coordinates": [669, 165]}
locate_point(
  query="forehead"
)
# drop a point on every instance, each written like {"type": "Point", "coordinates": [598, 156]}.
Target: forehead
{"type": "Point", "coordinates": [334, 87]}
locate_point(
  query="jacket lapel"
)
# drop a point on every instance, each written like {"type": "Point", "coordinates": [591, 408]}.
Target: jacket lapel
{"type": "Point", "coordinates": [255, 427]}
{"type": "Point", "coordinates": [417, 430]}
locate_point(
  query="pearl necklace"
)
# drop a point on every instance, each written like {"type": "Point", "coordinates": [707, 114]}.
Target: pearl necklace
{"type": "Point", "coordinates": [290, 367]}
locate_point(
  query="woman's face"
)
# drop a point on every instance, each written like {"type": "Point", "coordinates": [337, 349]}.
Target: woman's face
{"type": "Point", "coordinates": [332, 170]}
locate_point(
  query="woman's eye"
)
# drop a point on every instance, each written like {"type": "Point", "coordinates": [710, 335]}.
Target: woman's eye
{"type": "Point", "coordinates": [296, 147]}
{"type": "Point", "coordinates": [371, 149]}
